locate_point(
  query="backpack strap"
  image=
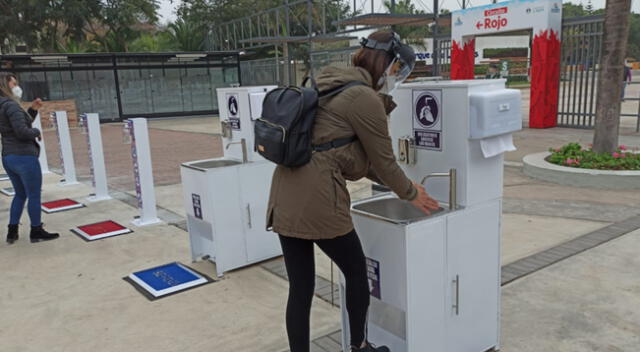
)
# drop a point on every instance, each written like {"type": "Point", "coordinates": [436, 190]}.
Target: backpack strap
{"type": "Point", "coordinates": [340, 142]}
{"type": "Point", "coordinates": [336, 143]}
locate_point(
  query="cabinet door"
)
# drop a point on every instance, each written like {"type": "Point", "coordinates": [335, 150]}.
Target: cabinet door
{"type": "Point", "coordinates": [473, 250]}
{"type": "Point", "coordinates": [255, 182]}
{"type": "Point", "coordinates": [426, 272]}
{"type": "Point", "coordinates": [229, 234]}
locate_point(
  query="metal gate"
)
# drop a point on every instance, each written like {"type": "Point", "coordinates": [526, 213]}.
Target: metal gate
{"type": "Point", "coordinates": [581, 51]}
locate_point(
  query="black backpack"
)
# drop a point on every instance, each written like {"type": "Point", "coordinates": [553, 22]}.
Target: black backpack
{"type": "Point", "coordinates": [283, 133]}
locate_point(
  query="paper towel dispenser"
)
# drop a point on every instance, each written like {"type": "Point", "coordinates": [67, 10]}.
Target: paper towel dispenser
{"type": "Point", "coordinates": [493, 113]}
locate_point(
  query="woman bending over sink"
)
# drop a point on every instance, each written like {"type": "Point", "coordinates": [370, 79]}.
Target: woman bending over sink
{"type": "Point", "coordinates": [310, 204]}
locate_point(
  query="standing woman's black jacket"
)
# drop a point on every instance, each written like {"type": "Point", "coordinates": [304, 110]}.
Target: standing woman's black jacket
{"type": "Point", "coordinates": [18, 137]}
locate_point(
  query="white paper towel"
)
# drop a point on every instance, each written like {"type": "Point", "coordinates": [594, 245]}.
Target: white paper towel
{"type": "Point", "coordinates": [493, 146]}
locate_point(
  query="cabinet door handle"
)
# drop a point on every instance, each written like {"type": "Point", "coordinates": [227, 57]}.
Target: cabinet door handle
{"type": "Point", "coordinates": [249, 215]}
{"type": "Point", "coordinates": [456, 305]}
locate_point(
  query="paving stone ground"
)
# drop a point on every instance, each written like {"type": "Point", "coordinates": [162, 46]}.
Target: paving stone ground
{"type": "Point", "coordinates": [580, 293]}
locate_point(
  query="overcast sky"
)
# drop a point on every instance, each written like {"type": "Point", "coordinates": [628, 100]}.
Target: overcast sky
{"type": "Point", "coordinates": [167, 10]}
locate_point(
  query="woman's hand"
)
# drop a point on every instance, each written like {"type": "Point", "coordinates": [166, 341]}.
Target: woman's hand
{"type": "Point", "coordinates": [423, 201]}
{"type": "Point", "coordinates": [36, 104]}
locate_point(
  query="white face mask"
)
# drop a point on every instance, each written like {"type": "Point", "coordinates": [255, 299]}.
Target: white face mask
{"type": "Point", "coordinates": [17, 92]}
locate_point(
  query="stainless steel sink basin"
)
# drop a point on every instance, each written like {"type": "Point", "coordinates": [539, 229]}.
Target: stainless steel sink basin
{"type": "Point", "coordinates": [393, 210]}
{"type": "Point", "coordinates": [212, 164]}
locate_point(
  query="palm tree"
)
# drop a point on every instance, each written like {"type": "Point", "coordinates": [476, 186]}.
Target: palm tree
{"type": "Point", "coordinates": [614, 48]}
{"type": "Point", "coordinates": [187, 36]}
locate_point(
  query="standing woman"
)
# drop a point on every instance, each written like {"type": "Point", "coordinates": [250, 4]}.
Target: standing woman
{"type": "Point", "coordinates": [311, 204]}
{"type": "Point", "coordinates": [20, 160]}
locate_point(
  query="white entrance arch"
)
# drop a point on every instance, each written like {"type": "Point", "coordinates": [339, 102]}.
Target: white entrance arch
{"type": "Point", "coordinates": [544, 17]}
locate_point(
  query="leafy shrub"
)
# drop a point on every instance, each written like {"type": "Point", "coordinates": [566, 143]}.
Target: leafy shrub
{"type": "Point", "coordinates": [573, 155]}
{"type": "Point", "coordinates": [514, 79]}
{"type": "Point", "coordinates": [481, 69]}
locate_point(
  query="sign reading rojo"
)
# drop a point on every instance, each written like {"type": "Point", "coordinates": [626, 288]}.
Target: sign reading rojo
{"type": "Point", "coordinates": [496, 23]}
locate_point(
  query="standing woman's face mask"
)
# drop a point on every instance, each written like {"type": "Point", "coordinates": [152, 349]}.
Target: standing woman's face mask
{"type": "Point", "coordinates": [15, 88]}
{"type": "Point", "coordinates": [17, 92]}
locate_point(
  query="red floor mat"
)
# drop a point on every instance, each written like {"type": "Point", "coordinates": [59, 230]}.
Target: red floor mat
{"type": "Point", "coordinates": [100, 228]}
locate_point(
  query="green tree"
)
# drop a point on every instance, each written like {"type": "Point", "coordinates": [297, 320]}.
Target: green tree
{"type": "Point", "coordinates": [187, 36]}
{"type": "Point", "coordinates": [633, 44]}
{"type": "Point", "coordinates": [73, 46]}
{"type": "Point", "coordinates": [44, 24]}
{"type": "Point", "coordinates": [49, 25]}
{"type": "Point", "coordinates": [572, 10]}
{"type": "Point", "coordinates": [414, 35]}
{"type": "Point", "coordinates": [589, 8]}
{"type": "Point", "coordinates": [122, 21]}
{"type": "Point", "coordinates": [145, 43]}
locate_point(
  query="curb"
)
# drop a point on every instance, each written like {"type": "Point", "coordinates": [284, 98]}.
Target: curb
{"type": "Point", "coordinates": [537, 167]}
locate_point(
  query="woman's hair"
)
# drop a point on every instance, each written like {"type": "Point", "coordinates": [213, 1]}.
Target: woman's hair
{"type": "Point", "coordinates": [375, 61]}
{"type": "Point", "coordinates": [5, 78]}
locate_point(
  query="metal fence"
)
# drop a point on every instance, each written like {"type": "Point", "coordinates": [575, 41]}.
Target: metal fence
{"type": "Point", "coordinates": [279, 71]}
{"type": "Point", "coordinates": [581, 52]}
{"type": "Point", "coordinates": [274, 71]}
{"type": "Point", "coordinates": [580, 58]}
{"type": "Point", "coordinates": [444, 58]}
{"type": "Point", "coordinates": [338, 58]}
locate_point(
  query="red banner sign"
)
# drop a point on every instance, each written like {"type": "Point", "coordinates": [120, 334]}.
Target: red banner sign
{"type": "Point", "coordinates": [494, 12]}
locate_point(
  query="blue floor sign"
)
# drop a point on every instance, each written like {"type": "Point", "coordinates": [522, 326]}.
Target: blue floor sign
{"type": "Point", "coordinates": [167, 279]}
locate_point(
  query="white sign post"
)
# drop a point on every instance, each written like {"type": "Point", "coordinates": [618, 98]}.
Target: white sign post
{"type": "Point", "coordinates": [66, 151]}
{"type": "Point", "coordinates": [44, 165]}
{"type": "Point", "coordinates": [96, 158]}
{"type": "Point", "coordinates": [143, 172]}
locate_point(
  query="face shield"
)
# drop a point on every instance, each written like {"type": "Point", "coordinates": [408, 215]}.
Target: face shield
{"type": "Point", "coordinates": [402, 63]}
{"type": "Point", "coordinates": [405, 61]}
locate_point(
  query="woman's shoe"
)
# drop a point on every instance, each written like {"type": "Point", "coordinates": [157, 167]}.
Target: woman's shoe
{"type": "Point", "coordinates": [38, 234]}
{"type": "Point", "coordinates": [12, 234]}
{"type": "Point", "coordinates": [371, 348]}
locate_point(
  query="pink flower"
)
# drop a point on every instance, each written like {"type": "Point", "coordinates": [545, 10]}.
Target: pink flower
{"type": "Point", "coordinates": [615, 155]}
{"type": "Point", "coordinates": [623, 147]}
{"type": "Point", "coordinates": [570, 161]}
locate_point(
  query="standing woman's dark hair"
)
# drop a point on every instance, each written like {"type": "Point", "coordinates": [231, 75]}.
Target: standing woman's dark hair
{"type": "Point", "coordinates": [5, 81]}
{"type": "Point", "coordinates": [20, 153]}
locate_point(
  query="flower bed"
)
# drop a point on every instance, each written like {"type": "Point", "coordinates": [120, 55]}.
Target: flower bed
{"type": "Point", "coordinates": [573, 155]}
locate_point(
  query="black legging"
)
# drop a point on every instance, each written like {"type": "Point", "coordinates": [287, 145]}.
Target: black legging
{"type": "Point", "coordinates": [346, 252]}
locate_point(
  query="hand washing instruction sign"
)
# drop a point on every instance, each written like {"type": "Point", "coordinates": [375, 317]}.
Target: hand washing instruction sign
{"type": "Point", "coordinates": [233, 109]}
{"type": "Point", "coordinates": [373, 274]}
{"type": "Point", "coordinates": [427, 119]}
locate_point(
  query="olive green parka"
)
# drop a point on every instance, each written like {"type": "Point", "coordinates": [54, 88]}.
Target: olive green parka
{"type": "Point", "coordinates": [312, 201]}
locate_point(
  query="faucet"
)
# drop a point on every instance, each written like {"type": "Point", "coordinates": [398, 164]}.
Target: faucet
{"type": "Point", "coordinates": [452, 175]}
{"type": "Point", "coordinates": [243, 143]}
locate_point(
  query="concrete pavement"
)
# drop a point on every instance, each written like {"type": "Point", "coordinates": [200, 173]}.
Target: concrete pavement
{"type": "Point", "coordinates": [72, 290]}
{"type": "Point", "coordinates": [68, 295]}
{"type": "Point", "coordinates": [587, 303]}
